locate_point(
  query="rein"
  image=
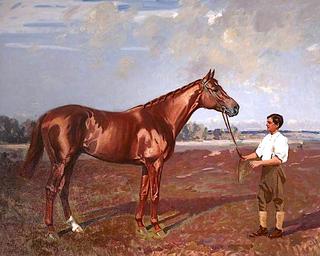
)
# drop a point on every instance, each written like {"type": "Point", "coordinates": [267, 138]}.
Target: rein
{"type": "Point", "coordinates": [226, 121]}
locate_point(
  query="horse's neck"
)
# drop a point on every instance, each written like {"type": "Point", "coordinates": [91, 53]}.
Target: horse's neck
{"type": "Point", "coordinates": [178, 109]}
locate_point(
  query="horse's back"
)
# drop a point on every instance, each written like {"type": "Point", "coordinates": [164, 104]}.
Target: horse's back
{"type": "Point", "coordinates": [102, 134]}
{"type": "Point", "coordinates": [125, 136]}
{"type": "Point", "coordinates": [65, 116]}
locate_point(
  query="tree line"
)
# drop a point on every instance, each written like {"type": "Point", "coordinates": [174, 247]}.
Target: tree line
{"type": "Point", "coordinates": [11, 131]}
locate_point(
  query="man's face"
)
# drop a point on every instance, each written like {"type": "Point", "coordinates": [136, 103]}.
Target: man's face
{"type": "Point", "coordinates": [271, 126]}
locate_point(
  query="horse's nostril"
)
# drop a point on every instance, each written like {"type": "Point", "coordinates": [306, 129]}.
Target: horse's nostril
{"type": "Point", "coordinates": [236, 109]}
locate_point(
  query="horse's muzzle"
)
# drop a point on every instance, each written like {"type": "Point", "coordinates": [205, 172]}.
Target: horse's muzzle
{"type": "Point", "coordinates": [232, 111]}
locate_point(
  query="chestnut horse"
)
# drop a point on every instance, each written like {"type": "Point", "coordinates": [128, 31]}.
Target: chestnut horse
{"type": "Point", "coordinates": [144, 135]}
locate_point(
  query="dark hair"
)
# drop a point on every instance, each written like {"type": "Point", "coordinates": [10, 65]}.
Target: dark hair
{"type": "Point", "coordinates": [277, 119]}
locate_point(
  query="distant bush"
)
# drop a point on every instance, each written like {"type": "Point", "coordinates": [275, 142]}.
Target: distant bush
{"type": "Point", "coordinates": [13, 132]}
{"type": "Point", "coordinates": [192, 131]}
{"type": "Point", "coordinates": [195, 131]}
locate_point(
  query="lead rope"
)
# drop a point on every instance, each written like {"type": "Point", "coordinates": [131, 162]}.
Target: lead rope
{"type": "Point", "coordinates": [226, 121]}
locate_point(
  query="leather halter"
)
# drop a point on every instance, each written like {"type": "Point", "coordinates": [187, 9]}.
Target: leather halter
{"type": "Point", "coordinates": [213, 94]}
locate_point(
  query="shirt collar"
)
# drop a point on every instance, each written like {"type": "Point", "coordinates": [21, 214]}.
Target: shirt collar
{"type": "Point", "coordinates": [276, 134]}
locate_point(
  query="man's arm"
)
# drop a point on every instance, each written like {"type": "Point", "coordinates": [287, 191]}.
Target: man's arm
{"type": "Point", "coordinates": [273, 161]}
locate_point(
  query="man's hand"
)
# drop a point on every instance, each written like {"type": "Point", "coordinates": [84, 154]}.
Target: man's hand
{"type": "Point", "coordinates": [250, 156]}
{"type": "Point", "coordinates": [255, 164]}
{"type": "Point", "coordinates": [247, 157]}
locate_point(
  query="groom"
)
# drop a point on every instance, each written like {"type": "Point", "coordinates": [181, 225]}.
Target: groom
{"type": "Point", "coordinates": [272, 152]}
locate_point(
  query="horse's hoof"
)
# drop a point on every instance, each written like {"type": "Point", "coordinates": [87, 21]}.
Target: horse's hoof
{"type": "Point", "coordinates": [52, 237]}
{"type": "Point", "coordinates": [158, 231]}
{"type": "Point", "coordinates": [142, 231]}
{"type": "Point", "coordinates": [159, 234]}
{"type": "Point", "coordinates": [77, 229]}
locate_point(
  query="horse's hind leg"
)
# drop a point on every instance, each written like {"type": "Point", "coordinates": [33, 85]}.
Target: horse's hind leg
{"type": "Point", "coordinates": [57, 181]}
{"type": "Point", "coordinates": [64, 196]}
{"type": "Point", "coordinates": [61, 153]}
{"type": "Point", "coordinates": [143, 195]}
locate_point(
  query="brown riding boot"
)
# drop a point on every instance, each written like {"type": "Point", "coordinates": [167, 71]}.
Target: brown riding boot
{"type": "Point", "coordinates": [260, 232]}
{"type": "Point", "coordinates": [278, 231]}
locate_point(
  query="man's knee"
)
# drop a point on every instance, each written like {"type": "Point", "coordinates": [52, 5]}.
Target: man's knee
{"type": "Point", "coordinates": [262, 207]}
{"type": "Point", "coordinates": [260, 196]}
{"type": "Point", "coordinates": [262, 204]}
{"type": "Point", "coordinates": [278, 202]}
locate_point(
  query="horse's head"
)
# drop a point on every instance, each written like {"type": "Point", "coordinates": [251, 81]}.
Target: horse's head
{"type": "Point", "coordinates": [214, 97]}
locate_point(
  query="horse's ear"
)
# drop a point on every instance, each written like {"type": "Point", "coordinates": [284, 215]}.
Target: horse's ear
{"type": "Point", "coordinates": [207, 77]}
{"type": "Point", "coordinates": [212, 74]}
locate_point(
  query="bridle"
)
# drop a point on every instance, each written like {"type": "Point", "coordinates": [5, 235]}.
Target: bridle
{"type": "Point", "coordinates": [213, 94]}
{"type": "Point", "coordinates": [224, 115]}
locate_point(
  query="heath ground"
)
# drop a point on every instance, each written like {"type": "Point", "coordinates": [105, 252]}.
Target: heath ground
{"type": "Point", "coordinates": [203, 210]}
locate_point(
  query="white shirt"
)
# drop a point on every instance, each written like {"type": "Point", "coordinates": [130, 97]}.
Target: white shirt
{"type": "Point", "coordinates": [273, 145]}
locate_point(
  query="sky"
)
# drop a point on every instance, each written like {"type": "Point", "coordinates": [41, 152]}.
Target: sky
{"type": "Point", "coordinates": [114, 55]}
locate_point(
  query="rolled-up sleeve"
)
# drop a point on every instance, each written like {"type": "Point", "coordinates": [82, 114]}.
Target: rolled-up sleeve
{"type": "Point", "coordinates": [281, 149]}
{"type": "Point", "coordinates": [259, 149]}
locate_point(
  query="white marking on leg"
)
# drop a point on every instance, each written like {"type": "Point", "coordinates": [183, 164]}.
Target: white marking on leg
{"type": "Point", "coordinates": [74, 225]}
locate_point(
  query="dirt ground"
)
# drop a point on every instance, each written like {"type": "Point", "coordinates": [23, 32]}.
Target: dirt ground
{"type": "Point", "coordinates": [203, 209]}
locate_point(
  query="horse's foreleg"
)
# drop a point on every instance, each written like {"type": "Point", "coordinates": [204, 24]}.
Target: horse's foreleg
{"type": "Point", "coordinates": [143, 195]}
{"type": "Point", "coordinates": [155, 171]}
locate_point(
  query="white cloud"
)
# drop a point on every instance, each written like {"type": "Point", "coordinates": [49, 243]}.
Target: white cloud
{"type": "Point", "coordinates": [275, 100]}
{"type": "Point", "coordinates": [266, 89]}
{"type": "Point", "coordinates": [314, 47]}
{"type": "Point", "coordinates": [252, 124]}
{"type": "Point", "coordinates": [249, 124]}
{"type": "Point", "coordinates": [135, 48]}
{"type": "Point", "coordinates": [107, 26]}
{"type": "Point", "coordinates": [313, 53]}
{"type": "Point", "coordinates": [40, 47]}
{"type": "Point", "coordinates": [240, 39]}
{"type": "Point", "coordinates": [125, 65]}
{"type": "Point", "coordinates": [213, 16]}
{"type": "Point", "coordinates": [143, 15]}
{"type": "Point", "coordinates": [292, 122]}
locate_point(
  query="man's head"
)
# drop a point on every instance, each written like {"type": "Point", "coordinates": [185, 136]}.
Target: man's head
{"type": "Point", "coordinates": [274, 122]}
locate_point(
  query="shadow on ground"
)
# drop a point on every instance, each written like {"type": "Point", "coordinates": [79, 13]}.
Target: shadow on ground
{"type": "Point", "coordinates": [185, 208]}
{"type": "Point", "coordinates": [305, 222]}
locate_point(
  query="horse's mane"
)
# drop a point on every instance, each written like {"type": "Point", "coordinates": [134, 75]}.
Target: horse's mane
{"type": "Point", "coordinates": [166, 96]}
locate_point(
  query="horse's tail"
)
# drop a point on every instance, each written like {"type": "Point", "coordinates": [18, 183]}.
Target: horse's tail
{"type": "Point", "coordinates": [35, 151]}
